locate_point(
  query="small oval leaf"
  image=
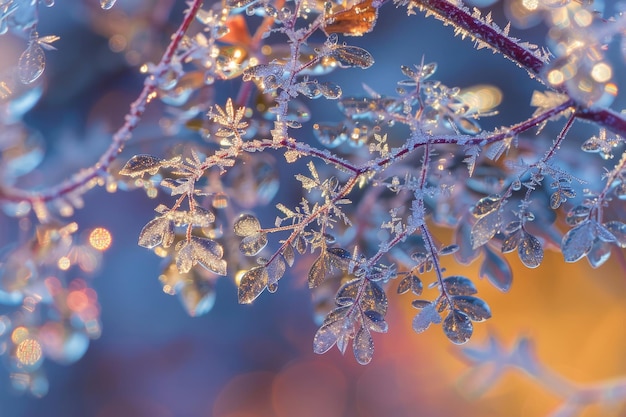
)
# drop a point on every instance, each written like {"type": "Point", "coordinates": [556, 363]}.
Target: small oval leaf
{"type": "Point", "coordinates": [458, 327]}
{"type": "Point", "coordinates": [252, 284]}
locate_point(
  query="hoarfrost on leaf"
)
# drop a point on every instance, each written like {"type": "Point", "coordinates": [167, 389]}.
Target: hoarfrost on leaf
{"type": "Point", "coordinates": [363, 346]}
{"type": "Point", "coordinates": [141, 164]}
{"type": "Point", "coordinates": [475, 308]}
{"type": "Point", "coordinates": [252, 284]}
{"type": "Point", "coordinates": [425, 317]}
{"type": "Point", "coordinates": [530, 250]}
{"type": "Point", "coordinates": [247, 225]}
{"type": "Point", "coordinates": [458, 327]}
{"type": "Point", "coordinates": [159, 231]}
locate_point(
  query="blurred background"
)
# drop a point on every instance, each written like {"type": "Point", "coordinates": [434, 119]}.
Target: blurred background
{"type": "Point", "coordinates": [153, 360]}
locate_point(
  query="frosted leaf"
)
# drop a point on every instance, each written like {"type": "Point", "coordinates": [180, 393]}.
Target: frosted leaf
{"type": "Point", "coordinates": [511, 241]}
{"type": "Point", "coordinates": [618, 230]}
{"type": "Point", "coordinates": [351, 56]}
{"type": "Point", "coordinates": [253, 244]}
{"type": "Point", "coordinates": [262, 71]}
{"type": "Point", "coordinates": [107, 4]}
{"type": "Point", "coordinates": [339, 258]}
{"type": "Point", "coordinates": [458, 285]}
{"type": "Point", "coordinates": [208, 253]}
{"type": "Point", "coordinates": [475, 308]}
{"type": "Point", "coordinates": [330, 90]}
{"type": "Point", "coordinates": [373, 297]}
{"type": "Point", "coordinates": [335, 314]}
{"type": "Point", "coordinates": [485, 228]}
{"type": "Point", "coordinates": [289, 255]}
{"type": "Point", "coordinates": [299, 244]}
{"type": "Point", "coordinates": [457, 327]}
{"type": "Point", "coordinates": [31, 64]}
{"type": "Point", "coordinates": [252, 284]}
{"type": "Point", "coordinates": [311, 89]}
{"type": "Point", "coordinates": [375, 321]}
{"type": "Point", "coordinates": [159, 231]}
{"type": "Point", "coordinates": [448, 250]}
{"type": "Point", "coordinates": [603, 233]}
{"type": "Point", "coordinates": [411, 282]}
{"type": "Point", "coordinates": [530, 250]}
{"type": "Point", "coordinates": [197, 297]}
{"type": "Point", "coordinates": [326, 336]}
{"type": "Point", "coordinates": [577, 215]}
{"type": "Point", "coordinates": [184, 257]}
{"type": "Point", "coordinates": [275, 270]}
{"type": "Point", "coordinates": [247, 225]}
{"type": "Point", "coordinates": [468, 126]}
{"type": "Point", "coordinates": [141, 164]}
{"type": "Point", "coordinates": [486, 205]}
{"type": "Point", "coordinates": [578, 241]}
{"type": "Point", "coordinates": [347, 293]}
{"type": "Point", "coordinates": [497, 270]}
{"type": "Point", "coordinates": [463, 236]}
{"type": "Point", "coordinates": [201, 217]}
{"type": "Point", "coordinates": [600, 253]}
{"type": "Point", "coordinates": [419, 304]}
{"type": "Point", "coordinates": [363, 346]}
{"type": "Point", "coordinates": [319, 270]}
{"type": "Point", "coordinates": [427, 315]}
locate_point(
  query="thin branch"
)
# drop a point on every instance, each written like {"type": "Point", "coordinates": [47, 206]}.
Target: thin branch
{"type": "Point", "coordinates": [88, 177]}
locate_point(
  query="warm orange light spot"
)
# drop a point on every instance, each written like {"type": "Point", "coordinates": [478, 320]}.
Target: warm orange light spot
{"type": "Point", "coordinates": [19, 334]}
{"type": "Point", "coordinates": [77, 301]}
{"type": "Point", "coordinates": [64, 263]}
{"type": "Point", "coordinates": [601, 72]}
{"type": "Point", "coordinates": [100, 238]}
{"type": "Point", "coordinates": [28, 351]}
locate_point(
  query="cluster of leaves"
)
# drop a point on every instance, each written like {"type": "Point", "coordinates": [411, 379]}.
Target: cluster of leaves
{"type": "Point", "coordinates": [366, 193]}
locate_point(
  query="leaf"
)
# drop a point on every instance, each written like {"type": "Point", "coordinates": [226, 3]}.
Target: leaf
{"type": "Point", "coordinates": [486, 205]}
{"type": "Point", "coordinates": [347, 293]}
{"type": "Point", "coordinates": [425, 317]}
{"type": "Point", "coordinates": [530, 250]}
{"type": "Point", "coordinates": [253, 244]}
{"type": "Point", "coordinates": [511, 241]}
{"type": "Point", "coordinates": [411, 282]}
{"type": "Point", "coordinates": [375, 321]}
{"type": "Point", "coordinates": [352, 56]}
{"type": "Point", "coordinates": [326, 336]}
{"type": "Point", "coordinates": [578, 241]}
{"type": "Point", "coordinates": [184, 257]}
{"type": "Point", "coordinates": [275, 270]}
{"type": "Point", "coordinates": [618, 230]}
{"type": "Point", "coordinates": [246, 225]}
{"type": "Point", "coordinates": [419, 304]}
{"type": "Point", "coordinates": [339, 258]}
{"type": "Point", "coordinates": [497, 270]}
{"type": "Point", "coordinates": [288, 254]}
{"type": "Point", "coordinates": [485, 228]}
{"type": "Point", "coordinates": [208, 253]}
{"type": "Point", "coordinates": [363, 346]}
{"type": "Point", "coordinates": [373, 297]}
{"type": "Point", "coordinates": [252, 284]}
{"type": "Point", "coordinates": [197, 297]}
{"type": "Point", "coordinates": [158, 231]}
{"type": "Point", "coordinates": [475, 308]}
{"type": "Point", "coordinates": [600, 253]}
{"type": "Point", "coordinates": [319, 270]}
{"type": "Point", "coordinates": [141, 164]}
{"type": "Point", "coordinates": [32, 63]}
{"type": "Point", "coordinates": [458, 327]}
{"type": "Point", "coordinates": [458, 285]}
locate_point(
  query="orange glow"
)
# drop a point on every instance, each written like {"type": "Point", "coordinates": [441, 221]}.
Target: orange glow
{"type": "Point", "coordinates": [100, 238]}
{"type": "Point", "coordinates": [77, 301]}
{"type": "Point", "coordinates": [28, 351]}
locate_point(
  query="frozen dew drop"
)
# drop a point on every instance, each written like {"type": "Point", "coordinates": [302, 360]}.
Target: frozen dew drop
{"type": "Point", "coordinates": [31, 63]}
{"type": "Point", "coordinates": [330, 135]}
{"type": "Point", "coordinates": [247, 225]}
{"type": "Point", "coordinates": [107, 4]}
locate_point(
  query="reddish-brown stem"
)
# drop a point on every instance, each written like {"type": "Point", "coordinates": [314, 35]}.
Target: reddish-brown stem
{"type": "Point", "coordinates": [479, 30]}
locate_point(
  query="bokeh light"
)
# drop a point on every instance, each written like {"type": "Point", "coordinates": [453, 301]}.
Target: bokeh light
{"type": "Point", "coordinates": [100, 238]}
